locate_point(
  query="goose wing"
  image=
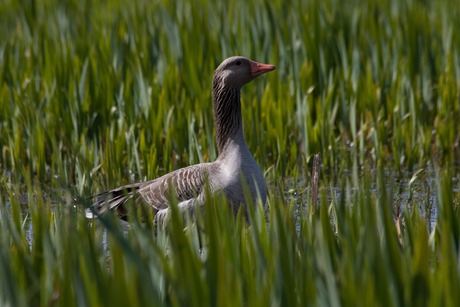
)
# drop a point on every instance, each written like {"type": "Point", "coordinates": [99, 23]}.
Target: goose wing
{"type": "Point", "coordinates": [183, 184]}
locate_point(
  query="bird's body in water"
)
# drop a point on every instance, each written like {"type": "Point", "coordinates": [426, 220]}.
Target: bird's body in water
{"type": "Point", "coordinates": [224, 175]}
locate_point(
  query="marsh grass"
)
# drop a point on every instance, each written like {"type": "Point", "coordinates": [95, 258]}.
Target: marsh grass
{"type": "Point", "coordinates": [103, 86]}
{"type": "Point", "coordinates": [96, 94]}
{"type": "Point", "coordinates": [366, 256]}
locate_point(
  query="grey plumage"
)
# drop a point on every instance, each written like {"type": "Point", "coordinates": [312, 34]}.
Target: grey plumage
{"type": "Point", "coordinates": [223, 175]}
{"type": "Point", "coordinates": [185, 183]}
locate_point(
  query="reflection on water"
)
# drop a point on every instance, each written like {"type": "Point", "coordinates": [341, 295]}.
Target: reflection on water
{"type": "Point", "coordinates": [417, 189]}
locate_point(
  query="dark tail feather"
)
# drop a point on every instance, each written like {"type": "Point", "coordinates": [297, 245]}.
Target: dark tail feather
{"type": "Point", "coordinates": [113, 200]}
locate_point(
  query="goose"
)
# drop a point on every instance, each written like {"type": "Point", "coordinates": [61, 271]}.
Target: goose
{"type": "Point", "coordinates": [223, 175]}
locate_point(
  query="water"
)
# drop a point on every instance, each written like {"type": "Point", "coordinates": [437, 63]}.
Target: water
{"type": "Point", "coordinates": [417, 189]}
{"type": "Point", "coordinates": [409, 191]}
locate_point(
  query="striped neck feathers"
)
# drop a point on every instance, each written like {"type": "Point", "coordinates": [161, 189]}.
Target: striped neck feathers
{"type": "Point", "coordinates": [227, 113]}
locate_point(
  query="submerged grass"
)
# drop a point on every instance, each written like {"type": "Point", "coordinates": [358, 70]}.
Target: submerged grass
{"type": "Point", "coordinates": [96, 94]}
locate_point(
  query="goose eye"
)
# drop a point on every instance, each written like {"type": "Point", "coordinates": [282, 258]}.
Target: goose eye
{"type": "Point", "coordinates": [238, 63]}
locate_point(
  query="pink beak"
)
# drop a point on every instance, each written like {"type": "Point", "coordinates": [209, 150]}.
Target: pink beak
{"type": "Point", "coordinates": [258, 69]}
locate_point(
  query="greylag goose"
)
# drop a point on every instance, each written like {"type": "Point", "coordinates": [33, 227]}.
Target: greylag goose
{"type": "Point", "coordinates": [224, 174]}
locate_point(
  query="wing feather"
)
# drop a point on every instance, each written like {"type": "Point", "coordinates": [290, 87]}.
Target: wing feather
{"type": "Point", "coordinates": [183, 184]}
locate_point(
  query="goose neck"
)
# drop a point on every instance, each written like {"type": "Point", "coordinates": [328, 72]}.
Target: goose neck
{"type": "Point", "coordinates": [227, 115]}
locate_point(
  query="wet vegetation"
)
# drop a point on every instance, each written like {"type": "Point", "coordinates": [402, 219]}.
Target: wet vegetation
{"type": "Point", "coordinates": [97, 94]}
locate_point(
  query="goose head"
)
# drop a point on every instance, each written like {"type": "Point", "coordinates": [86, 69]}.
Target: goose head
{"type": "Point", "coordinates": [236, 71]}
